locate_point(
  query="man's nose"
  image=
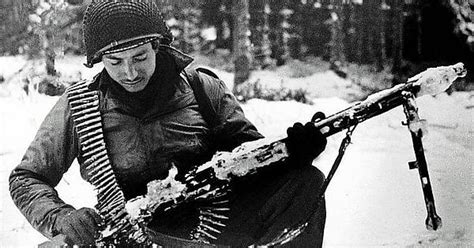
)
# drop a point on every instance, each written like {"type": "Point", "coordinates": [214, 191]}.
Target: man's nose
{"type": "Point", "coordinates": [130, 71]}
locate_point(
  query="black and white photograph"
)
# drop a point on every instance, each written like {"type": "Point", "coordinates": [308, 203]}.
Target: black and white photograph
{"type": "Point", "coordinates": [236, 123]}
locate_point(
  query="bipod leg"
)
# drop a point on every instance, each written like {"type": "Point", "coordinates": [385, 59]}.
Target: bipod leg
{"type": "Point", "coordinates": [415, 125]}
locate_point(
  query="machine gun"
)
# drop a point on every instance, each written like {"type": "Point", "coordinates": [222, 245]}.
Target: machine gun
{"type": "Point", "coordinates": [210, 180]}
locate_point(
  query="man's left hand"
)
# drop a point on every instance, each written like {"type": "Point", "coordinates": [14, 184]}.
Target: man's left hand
{"type": "Point", "coordinates": [304, 143]}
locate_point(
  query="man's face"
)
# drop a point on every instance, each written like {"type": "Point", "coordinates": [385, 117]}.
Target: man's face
{"type": "Point", "coordinates": [132, 68]}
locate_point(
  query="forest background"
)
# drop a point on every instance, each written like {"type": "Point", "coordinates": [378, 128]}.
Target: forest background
{"type": "Point", "coordinates": [385, 40]}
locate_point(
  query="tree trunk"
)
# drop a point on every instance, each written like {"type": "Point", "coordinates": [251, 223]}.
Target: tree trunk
{"type": "Point", "coordinates": [381, 20]}
{"type": "Point", "coordinates": [224, 27]}
{"type": "Point", "coordinates": [360, 32]}
{"type": "Point", "coordinates": [259, 11]}
{"type": "Point", "coordinates": [241, 42]}
{"type": "Point", "coordinates": [49, 52]}
{"type": "Point", "coordinates": [47, 38]}
{"type": "Point", "coordinates": [285, 25]}
{"type": "Point", "coordinates": [397, 40]}
{"type": "Point", "coordinates": [419, 24]}
{"type": "Point", "coordinates": [350, 38]}
{"type": "Point", "coordinates": [336, 45]}
{"type": "Point", "coordinates": [276, 31]}
{"type": "Point", "coordinates": [266, 45]}
{"type": "Point", "coordinates": [294, 29]}
{"type": "Point", "coordinates": [371, 13]}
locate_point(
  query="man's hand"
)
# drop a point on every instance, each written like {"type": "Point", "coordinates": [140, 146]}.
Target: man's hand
{"type": "Point", "coordinates": [304, 143]}
{"type": "Point", "coordinates": [81, 227]}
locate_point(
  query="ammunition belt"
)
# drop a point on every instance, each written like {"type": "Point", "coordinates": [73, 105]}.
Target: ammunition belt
{"type": "Point", "coordinates": [87, 120]}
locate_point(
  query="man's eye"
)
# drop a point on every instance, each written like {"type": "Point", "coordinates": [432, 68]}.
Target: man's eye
{"type": "Point", "coordinates": [141, 58]}
{"type": "Point", "coordinates": [115, 62]}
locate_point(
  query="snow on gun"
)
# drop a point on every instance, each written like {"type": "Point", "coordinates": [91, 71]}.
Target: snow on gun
{"type": "Point", "coordinates": [247, 158]}
{"type": "Point", "coordinates": [437, 80]}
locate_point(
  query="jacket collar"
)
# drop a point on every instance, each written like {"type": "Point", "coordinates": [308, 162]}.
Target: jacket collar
{"type": "Point", "coordinates": [181, 60]}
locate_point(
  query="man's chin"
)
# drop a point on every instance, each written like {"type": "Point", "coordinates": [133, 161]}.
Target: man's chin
{"type": "Point", "coordinates": [134, 87]}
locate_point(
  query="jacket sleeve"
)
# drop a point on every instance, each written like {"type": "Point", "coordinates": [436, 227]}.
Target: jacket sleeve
{"type": "Point", "coordinates": [233, 127]}
{"type": "Point", "coordinates": [48, 157]}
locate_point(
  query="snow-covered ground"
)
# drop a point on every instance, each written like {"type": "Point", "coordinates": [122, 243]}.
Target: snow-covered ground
{"type": "Point", "coordinates": [374, 200]}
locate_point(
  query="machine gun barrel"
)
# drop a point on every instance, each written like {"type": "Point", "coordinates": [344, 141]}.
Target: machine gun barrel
{"type": "Point", "coordinates": [429, 82]}
{"type": "Point", "coordinates": [374, 105]}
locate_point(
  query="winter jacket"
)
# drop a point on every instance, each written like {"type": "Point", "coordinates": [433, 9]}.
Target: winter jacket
{"type": "Point", "coordinates": [144, 134]}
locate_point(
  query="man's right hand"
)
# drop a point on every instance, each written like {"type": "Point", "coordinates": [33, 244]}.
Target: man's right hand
{"type": "Point", "coordinates": [81, 226]}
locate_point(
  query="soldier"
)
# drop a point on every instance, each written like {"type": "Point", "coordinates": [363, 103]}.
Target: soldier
{"type": "Point", "coordinates": [151, 120]}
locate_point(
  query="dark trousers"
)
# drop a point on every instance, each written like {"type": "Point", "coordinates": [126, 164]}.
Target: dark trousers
{"type": "Point", "coordinates": [261, 207]}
